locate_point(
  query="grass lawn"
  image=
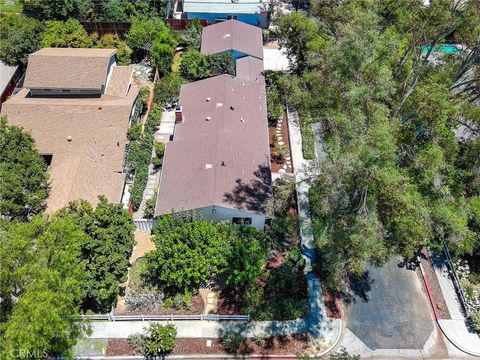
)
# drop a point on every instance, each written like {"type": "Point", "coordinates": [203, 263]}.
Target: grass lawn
{"type": "Point", "coordinates": [17, 8]}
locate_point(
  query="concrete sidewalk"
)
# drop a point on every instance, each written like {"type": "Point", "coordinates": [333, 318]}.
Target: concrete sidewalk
{"type": "Point", "coordinates": [455, 329]}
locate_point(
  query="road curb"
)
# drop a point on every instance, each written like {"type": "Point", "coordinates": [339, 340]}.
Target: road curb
{"type": "Point", "coordinates": [435, 312]}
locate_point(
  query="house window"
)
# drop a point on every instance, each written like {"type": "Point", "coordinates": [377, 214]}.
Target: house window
{"type": "Point", "coordinates": [242, 220]}
{"type": "Point", "coordinates": [230, 17]}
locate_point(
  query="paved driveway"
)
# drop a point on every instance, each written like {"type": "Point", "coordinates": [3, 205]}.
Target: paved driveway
{"type": "Point", "coordinates": [389, 309]}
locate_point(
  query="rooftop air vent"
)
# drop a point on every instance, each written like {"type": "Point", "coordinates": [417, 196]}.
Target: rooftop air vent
{"type": "Point", "coordinates": [208, 118]}
{"type": "Point", "coordinates": [208, 166]}
{"type": "Point", "coordinates": [209, 98]}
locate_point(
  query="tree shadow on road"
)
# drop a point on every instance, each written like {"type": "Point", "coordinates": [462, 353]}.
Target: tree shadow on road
{"type": "Point", "coordinates": [359, 287]}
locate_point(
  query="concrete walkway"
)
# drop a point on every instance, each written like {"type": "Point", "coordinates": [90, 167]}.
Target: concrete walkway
{"type": "Point", "coordinates": [455, 329]}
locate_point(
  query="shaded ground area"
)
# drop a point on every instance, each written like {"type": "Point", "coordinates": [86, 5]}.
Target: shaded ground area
{"type": "Point", "coordinates": [388, 309]}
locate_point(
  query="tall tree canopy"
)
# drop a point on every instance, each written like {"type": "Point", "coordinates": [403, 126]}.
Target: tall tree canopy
{"type": "Point", "coordinates": [374, 74]}
{"type": "Point", "coordinates": [23, 174]}
{"type": "Point", "coordinates": [56, 9]}
{"type": "Point", "coordinates": [41, 286]}
{"type": "Point", "coordinates": [19, 37]}
{"type": "Point", "coordinates": [107, 250]}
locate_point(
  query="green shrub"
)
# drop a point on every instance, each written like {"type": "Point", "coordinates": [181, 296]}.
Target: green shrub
{"type": "Point", "coordinates": [476, 320]}
{"type": "Point", "coordinates": [140, 156]}
{"type": "Point", "coordinates": [144, 94]}
{"type": "Point", "coordinates": [150, 206]}
{"type": "Point", "coordinates": [167, 89]}
{"type": "Point", "coordinates": [139, 343]}
{"type": "Point", "coordinates": [260, 340]}
{"type": "Point", "coordinates": [308, 139]}
{"type": "Point", "coordinates": [159, 148]}
{"type": "Point", "coordinates": [135, 132]}
{"type": "Point", "coordinates": [157, 161]}
{"type": "Point", "coordinates": [232, 341]}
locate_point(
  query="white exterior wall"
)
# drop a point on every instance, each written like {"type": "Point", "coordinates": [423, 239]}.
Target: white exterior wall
{"type": "Point", "coordinates": [226, 214]}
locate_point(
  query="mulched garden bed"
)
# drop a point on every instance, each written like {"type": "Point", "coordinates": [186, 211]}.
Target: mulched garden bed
{"type": "Point", "coordinates": [196, 307]}
{"type": "Point", "coordinates": [332, 304]}
{"type": "Point", "coordinates": [434, 286]}
{"type": "Point", "coordinates": [275, 164]}
{"type": "Point", "coordinates": [278, 345]}
{"type": "Point", "coordinates": [229, 302]}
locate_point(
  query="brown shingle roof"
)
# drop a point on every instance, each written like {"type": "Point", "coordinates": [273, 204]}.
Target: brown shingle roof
{"type": "Point", "coordinates": [68, 68]}
{"type": "Point", "coordinates": [250, 68]}
{"type": "Point", "coordinates": [91, 163]}
{"type": "Point", "coordinates": [119, 81]}
{"type": "Point", "coordinates": [236, 135]}
{"type": "Point", "coordinates": [232, 35]}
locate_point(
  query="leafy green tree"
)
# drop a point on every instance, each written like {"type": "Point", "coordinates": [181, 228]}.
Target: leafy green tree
{"type": "Point", "coordinates": [55, 10]}
{"type": "Point", "coordinates": [41, 281]}
{"type": "Point", "coordinates": [121, 11]}
{"type": "Point", "coordinates": [167, 89]}
{"type": "Point", "coordinates": [144, 31]}
{"type": "Point", "coordinates": [19, 37]}
{"type": "Point", "coordinates": [194, 65]}
{"type": "Point", "coordinates": [163, 51]}
{"type": "Point", "coordinates": [68, 33]}
{"type": "Point", "coordinates": [187, 254]}
{"type": "Point", "coordinates": [107, 250]}
{"type": "Point", "coordinates": [246, 257]}
{"type": "Point", "coordinates": [112, 41]}
{"type": "Point", "coordinates": [297, 32]}
{"type": "Point", "coordinates": [23, 176]}
{"type": "Point", "coordinates": [221, 63]}
{"type": "Point", "coordinates": [192, 35]}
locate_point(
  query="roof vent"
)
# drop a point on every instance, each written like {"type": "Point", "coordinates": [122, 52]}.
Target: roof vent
{"type": "Point", "coordinates": [69, 138]}
{"type": "Point", "coordinates": [232, 107]}
{"type": "Point", "coordinates": [208, 118]}
{"type": "Point", "coordinates": [242, 120]}
{"type": "Point", "coordinates": [217, 105]}
{"type": "Point", "coordinates": [208, 166]}
{"type": "Point", "coordinates": [209, 98]}
{"type": "Point", "coordinates": [223, 163]}
{"type": "Point", "coordinates": [226, 36]}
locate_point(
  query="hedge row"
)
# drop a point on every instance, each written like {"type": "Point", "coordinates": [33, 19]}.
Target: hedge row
{"type": "Point", "coordinates": [308, 139]}
{"type": "Point", "coordinates": [140, 156]}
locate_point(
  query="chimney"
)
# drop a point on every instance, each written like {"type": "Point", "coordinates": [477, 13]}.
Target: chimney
{"type": "Point", "coordinates": [178, 113]}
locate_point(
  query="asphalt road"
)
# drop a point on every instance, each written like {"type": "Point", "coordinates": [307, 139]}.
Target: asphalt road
{"type": "Point", "coordinates": [389, 309]}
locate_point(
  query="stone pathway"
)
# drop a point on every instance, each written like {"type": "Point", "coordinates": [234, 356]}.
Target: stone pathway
{"type": "Point", "coordinates": [288, 161]}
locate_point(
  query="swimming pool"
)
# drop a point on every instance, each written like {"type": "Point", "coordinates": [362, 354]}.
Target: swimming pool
{"type": "Point", "coordinates": [447, 49]}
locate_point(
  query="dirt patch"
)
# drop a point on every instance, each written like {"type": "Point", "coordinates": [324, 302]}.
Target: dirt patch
{"type": "Point", "coordinates": [434, 286]}
{"type": "Point", "coordinates": [278, 345]}
{"type": "Point", "coordinates": [332, 304]}
{"type": "Point", "coordinates": [229, 302]}
{"type": "Point", "coordinates": [119, 347]}
{"type": "Point", "coordinates": [144, 244]}
{"type": "Point", "coordinates": [276, 164]}
{"type": "Point", "coordinates": [196, 307]}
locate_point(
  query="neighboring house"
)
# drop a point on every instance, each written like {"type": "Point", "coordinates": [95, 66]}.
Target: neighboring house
{"type": "Point", "coordinates": [234, 36]}
{"type": "Point", "coordinates": [8, 78]}
{"type": "Point", "coordinates": [218, 163]}
{"type": "Point", "coordinates": [78, 105]}
{"type": "Point", "coordinates": [252, 12]}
